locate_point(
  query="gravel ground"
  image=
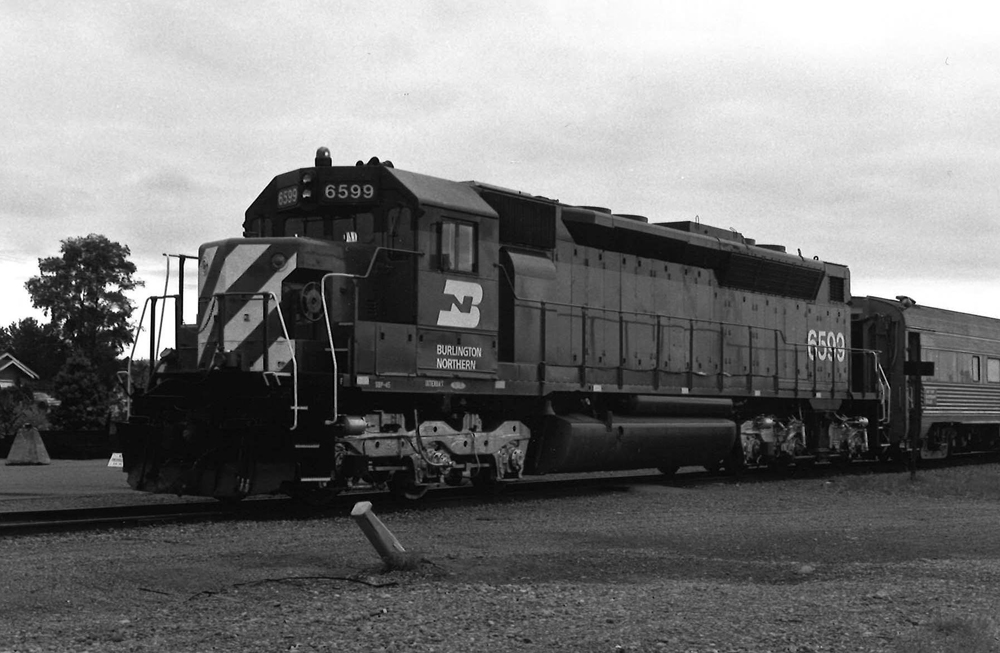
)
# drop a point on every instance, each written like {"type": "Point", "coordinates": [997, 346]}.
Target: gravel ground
{"type": "Point", "coordinates": [790, 566]}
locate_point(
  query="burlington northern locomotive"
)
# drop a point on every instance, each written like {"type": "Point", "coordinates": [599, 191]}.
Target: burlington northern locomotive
{"type": "Point", "coordinates": [381, 326]}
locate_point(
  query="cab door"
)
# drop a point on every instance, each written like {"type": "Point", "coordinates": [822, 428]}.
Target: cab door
{"type": "Point", "coordinates": [458, 307]}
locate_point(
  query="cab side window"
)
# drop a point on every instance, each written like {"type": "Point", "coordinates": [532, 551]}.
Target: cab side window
{"type": "Point", "coordinates": [458, 246]}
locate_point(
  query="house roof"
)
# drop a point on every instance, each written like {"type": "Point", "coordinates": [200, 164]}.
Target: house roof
{"type": "Point", "coordinates": [7, 360]}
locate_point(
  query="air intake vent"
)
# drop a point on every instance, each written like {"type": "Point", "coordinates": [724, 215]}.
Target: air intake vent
{"type": "Point", "coordinates": [524, 221]}
{"type": "Point", "coordinates": [771, 277]}
{"type": "Point", "coordinates": [837, 293]}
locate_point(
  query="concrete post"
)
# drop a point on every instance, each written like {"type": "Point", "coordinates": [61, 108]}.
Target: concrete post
{"type": "Point", "coordinates": [385, 543]}
{"type": "Point", "coordinates": [28, 448]}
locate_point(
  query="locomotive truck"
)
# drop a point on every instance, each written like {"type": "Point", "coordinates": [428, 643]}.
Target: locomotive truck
{"type": "Point", "coordinates": [373, 325]}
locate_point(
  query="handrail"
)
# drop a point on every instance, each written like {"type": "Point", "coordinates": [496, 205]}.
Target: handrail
{"type": "Point", "coordinates": [288, 342]}
{"type": "Point", "coordinates": [131, 356]}
{"type": "Point", "coordinates": [329, 335]}
{"type": "Point", "coordinates": [646, 314]}
{"type": "Point", "coordinates": [884, 390]}
{"type": "Point", "coordinates": [154, 339]}
{"type": "Point", "coordinates": [656, 321]}
{"type": "Point", "coordinates": [295, 364]}
{"type": "Point", "coordinates": [163, 308]}
{"type": "Point", "coordinates": [326, 312]}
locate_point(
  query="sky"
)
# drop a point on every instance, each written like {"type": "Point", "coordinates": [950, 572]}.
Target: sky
{"type": "Point", "coordinates": [863, 133]}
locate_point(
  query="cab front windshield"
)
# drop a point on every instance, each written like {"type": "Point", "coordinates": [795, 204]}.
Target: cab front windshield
{"type": "Point", "coordinates": [385, 226]}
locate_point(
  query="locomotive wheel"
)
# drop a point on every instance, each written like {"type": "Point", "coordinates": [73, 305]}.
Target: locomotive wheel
{"type": "Point", "coordinates": [780, 465]}
{"type": "Point", "coordinates": [402, 485]}
{"type": "Point", "coordinates": [316, 497]}
{"type": "Point", "coordinates": [487, 482]}
{"type": "Point", "coordinates": [893, 454]}
{"type": "Point", "coordinates": [454, 478]}
{"type": "Point", "coordinates": [735, 462]}
{"type": "Point", "coordinates": [838, 460]}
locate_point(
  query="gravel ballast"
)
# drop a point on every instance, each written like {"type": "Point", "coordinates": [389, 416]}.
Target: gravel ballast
{"type": "Point", "coordinates": [793, 565]}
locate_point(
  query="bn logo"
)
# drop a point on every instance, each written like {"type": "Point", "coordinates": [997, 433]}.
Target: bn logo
{"type": "Point", "coordinates": [463, 313]}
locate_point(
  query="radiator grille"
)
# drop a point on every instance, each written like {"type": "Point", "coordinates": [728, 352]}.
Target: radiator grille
{"type": "Point", "coordinates": [524, 221]}
{"type": "Point", "coordinates": [768, 276]}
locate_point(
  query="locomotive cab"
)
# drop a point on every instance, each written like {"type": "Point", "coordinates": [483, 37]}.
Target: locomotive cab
{"type": "Point", "coordinates": [354, 290]}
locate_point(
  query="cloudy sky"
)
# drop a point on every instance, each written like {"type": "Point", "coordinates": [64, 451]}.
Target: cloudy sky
{"type": "Point", "coordinates": [861, 132]}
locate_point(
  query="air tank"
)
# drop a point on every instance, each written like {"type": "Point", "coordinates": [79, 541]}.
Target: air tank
{"type": "Point", "coordinates": [580, 443]}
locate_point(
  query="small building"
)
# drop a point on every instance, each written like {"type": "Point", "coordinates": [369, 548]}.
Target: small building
{"type": "Point", "coordinates": [13, 372]}
{"type": "Point", "coordinates": [18, 420]}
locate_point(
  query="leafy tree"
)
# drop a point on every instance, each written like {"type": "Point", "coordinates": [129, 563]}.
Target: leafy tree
{"type": "Point", "coordinates": [36, 345]}
{"type": "Point", "coordinates": [85, 400]}
{"type": "Point", "coordinates": [83, 292]}
{"type": "Point", "coordinates": [18, 407]}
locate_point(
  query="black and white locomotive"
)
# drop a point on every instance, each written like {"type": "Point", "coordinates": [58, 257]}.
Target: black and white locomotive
{"type": "Point", "coordinates": [379, 326]}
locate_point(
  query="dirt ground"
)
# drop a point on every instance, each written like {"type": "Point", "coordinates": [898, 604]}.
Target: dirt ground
{"type": "Point", "coordinates": [793, 565]}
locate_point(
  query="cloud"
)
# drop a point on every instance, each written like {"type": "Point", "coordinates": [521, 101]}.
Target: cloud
{"type": "Point", "coordinates": [861, 134]}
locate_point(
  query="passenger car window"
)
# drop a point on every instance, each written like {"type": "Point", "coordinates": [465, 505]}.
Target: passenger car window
{"type": "Point", "coordinates": [993, 370]}
{"type": "Point", "coordinates": [977, 373]}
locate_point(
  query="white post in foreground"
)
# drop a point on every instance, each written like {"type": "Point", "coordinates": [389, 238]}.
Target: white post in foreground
{"type": "Point", "coordinates": [385, 543]}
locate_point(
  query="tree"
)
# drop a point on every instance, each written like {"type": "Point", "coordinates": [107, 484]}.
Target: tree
{"type": "Point", "coordinates": [17, 408]}
{"type": "Point", "coordinates": [36, 345]}
{"type": "Point", "coordinates": [85, 399]}
{"type": "Point", "coordinates": [83, 292]}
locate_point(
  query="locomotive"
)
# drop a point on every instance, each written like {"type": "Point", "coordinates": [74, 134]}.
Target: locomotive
{"type": "Point", "coordinates": [379, 326]}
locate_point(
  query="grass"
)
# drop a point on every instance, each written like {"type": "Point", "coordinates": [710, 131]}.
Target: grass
{"type": "Point", "coordinates": [967, 482]}
{"type": "Point", "coordinates": [953, 635]}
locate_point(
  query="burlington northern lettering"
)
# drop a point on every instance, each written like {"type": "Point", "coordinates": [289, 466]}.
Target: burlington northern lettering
{"type": "Point", "coordinates": [458, 357]}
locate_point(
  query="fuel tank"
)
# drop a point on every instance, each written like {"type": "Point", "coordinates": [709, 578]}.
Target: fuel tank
{"type": "Point", "coordinates": [579, 443]}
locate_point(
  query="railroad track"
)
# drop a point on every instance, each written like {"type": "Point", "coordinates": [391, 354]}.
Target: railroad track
{"type": "Point", "coordinates": [77, 519]}
{"type": "Point", "coordinates": [531, 488]}
{"type": "Point", "coordinates": [265, 509]}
